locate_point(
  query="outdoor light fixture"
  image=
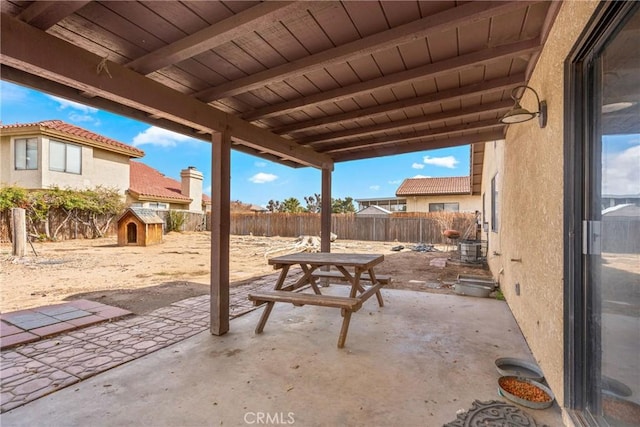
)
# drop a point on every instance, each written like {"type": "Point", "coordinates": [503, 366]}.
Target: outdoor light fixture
{"type": "Point", "coordinates": [518, 114]}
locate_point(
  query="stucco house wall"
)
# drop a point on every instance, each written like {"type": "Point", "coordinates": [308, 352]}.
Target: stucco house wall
{"type": "Point", "coordinates": [530, 238]}
{"type": "Point", "coordinates": [99, 166]}
{"type": "Point", "coordinates": [467, 203]}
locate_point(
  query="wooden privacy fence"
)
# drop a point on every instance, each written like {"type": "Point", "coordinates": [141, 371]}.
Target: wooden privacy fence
{"type": "Point", "coordinates": [414, 227]}
{"type": "Point", "coordinates": [193, 221]}
{"type": "Point", "coordinates": [408, 227]}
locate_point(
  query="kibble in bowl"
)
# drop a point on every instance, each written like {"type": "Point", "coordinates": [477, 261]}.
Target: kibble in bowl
{"type": "Point", "coordinates": [525, 392]}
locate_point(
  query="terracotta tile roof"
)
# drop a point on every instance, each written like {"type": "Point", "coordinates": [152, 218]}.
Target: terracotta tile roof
{"type": "Point", "coordinates": [58, 128]}
{"type": "Point", "coordinates": [148, 182]}
{"type": "Point", "coordinates": [433, 186]}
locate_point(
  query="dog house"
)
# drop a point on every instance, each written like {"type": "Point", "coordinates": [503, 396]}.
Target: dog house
{"type": "Point", "coordinates": [139, 227]}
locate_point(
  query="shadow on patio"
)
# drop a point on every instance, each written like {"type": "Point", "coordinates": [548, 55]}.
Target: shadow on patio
{"type": "Point", "coordinates": [415, 362]}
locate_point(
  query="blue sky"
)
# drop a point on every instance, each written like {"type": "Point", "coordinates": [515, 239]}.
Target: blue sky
{"type": "Point", "coordinates": [253, 180]}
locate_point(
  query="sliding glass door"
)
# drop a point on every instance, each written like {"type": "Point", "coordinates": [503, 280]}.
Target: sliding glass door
{"type": "Point", "coordinates": [603, 310]}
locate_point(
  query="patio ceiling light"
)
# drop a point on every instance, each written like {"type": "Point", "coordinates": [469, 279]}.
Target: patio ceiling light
{"type": "Point", "coordinates": [518, 114]}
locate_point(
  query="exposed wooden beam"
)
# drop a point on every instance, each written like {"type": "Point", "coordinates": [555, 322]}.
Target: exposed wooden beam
{"type": "Point", "coordinates": [36, 52]}
{"type": "Point", "coordinates": [252, 19]}
{"type": "Point", "coordinates": [434, 24]}
{"type": "Point", "coordinates": [421, 120]}
{"type": "Point", "coordinates": [503, 83]}
{"type": "Point", "coordinates": [552, 12]}
{"type": "Point", "coordinates": [46, 14]}
{"type": "Point", "coordinates": [23, 78]}
{"type": "Point", "coordinates": [420, 73]}
{"type": "Point", "coordinates": [393, 149]}
{"type": "Point", "coordinates": [477, 163]}
{"type": "Point", "coordinates": [384, 140]}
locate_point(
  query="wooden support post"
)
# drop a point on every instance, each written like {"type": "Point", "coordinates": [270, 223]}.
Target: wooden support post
{"type": "Point", "coordinates": [325, 211]}
{"type": "Point", "coordinates": [325, 219]}
{"type": "Point", "coordinates": [19, 231]}
{"type": "Point", "coordinates": [220, 227]}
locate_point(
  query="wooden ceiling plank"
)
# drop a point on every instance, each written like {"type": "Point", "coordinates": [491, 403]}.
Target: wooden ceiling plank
{"type": "Point", "coordinates": [503, 83]}
{"type": "Point", "coordinates": [36, 52]}
{"type": "Point", "coordinates": [444, 130]}
{"type": "Point", "coordinates": [215, 35]}
{"type": "Point", "coordinates": [450, 18]}
{"type": "Point", "coordinates": [46, 14]}
{"type": "Point", "coordinates": [458, 113]}
{"type": "Point", "coordinates": [552, 12]}
{"type": "Point", "coordinates": [426, 71]}
{"type": "Point", "coordinates": [420, 146]}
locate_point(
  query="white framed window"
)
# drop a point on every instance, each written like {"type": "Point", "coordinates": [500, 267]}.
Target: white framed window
{"type": "Point", "coordinates": [26, 153]}
{"type": "Point", "coordinates": [158, 205]}
{"type": "Point", "coordinates": [64, 157]}
{"type": "Point", "coordinates": [444, 207]}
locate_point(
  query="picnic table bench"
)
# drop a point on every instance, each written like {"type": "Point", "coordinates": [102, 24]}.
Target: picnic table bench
{"type": "Point", "coordinates": [362, 266]}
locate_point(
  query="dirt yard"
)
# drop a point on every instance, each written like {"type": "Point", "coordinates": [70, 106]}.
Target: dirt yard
{"type": "Point", "coordinates": [142, 279]}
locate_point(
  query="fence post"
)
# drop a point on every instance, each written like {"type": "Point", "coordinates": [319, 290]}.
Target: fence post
{"type": "Point", "coordinates": [19, 230]}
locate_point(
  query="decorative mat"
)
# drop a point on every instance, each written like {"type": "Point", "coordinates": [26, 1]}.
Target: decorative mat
{"type": "Point", "coordinates": [493, 413]}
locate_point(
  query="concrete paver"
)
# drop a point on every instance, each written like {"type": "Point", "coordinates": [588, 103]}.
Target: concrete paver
{"type": "Point", "coordinates": [86, 344]}
{"type": "Point", "coordinates": [24, 326]}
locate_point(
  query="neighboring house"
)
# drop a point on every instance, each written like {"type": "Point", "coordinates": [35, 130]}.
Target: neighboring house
{"type": "Point", "coordinates": [54, 153]}
{"type": "Point", "coordinates": [611, 200]}
{"type": "Point", "coordinates": [451, 194]}
{"type": "Point", "coordinates": [374, 211]}
{"type": "Point", "coordinates": [149, 188]}
{"type": "Point", "coordinates": [258, 209]}
{"type": "Point", "coordinates": [393, 204]}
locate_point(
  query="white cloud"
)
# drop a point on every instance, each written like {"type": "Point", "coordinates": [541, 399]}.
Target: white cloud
{"type": "Point", "coordinates": [65, 103]}
{"type": "Point", "coordinates": [260, 164]}
{"type": "Point", "coordinates": [445, 162]}
{"type": "Point", "coordinates": [261, 178]}
{"type": "Point", "coordinates": [80, 118]}
{"type": "Point", "coordinates": [421, 176]}
{"type": "Point", "coordinates": [395, 181]}
{"type": "Point", "coordinates": [621, 174]}
{"type": "Point", "coordinates": [374, 187]}
{"type": "Point", "coordinates": [207, 190]}
{"type": "Point", "coordinates": [12, 93]}
{"type": "Point", "coordinates": [160, 137]}
{"type": "Point", "coordinates": [417, 166]}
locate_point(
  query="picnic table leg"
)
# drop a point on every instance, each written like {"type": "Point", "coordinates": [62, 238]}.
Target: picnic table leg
{"type": "Point", "coordinates": [355, 285]}
{"type": "Point", "coordinates": [307, 274]}
{"type": "Point", "coordinates": [374, 281]}
{"type": "Point", "coordinates": [344, 329]}
{"type": "Point", "coordinates": [282, 277]}
{"type": "Point", "coordinates": [265, 317]}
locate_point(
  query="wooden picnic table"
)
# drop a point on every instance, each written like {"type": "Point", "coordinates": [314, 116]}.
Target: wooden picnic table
{"type": "Point", "coordinates": [352, 267]}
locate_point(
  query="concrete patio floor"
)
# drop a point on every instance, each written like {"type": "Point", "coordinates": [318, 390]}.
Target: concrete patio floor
{"type": "Point", "coordinates": [415, 362]}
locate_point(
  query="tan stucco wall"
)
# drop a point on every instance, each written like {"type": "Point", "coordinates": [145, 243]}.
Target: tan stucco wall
{"type": "Point", "coordinates": [467, 203]}
{"type": "Point", "coordinates": [530, 239]}
{"type": "Point", "coordinates": [99, 168]}
{"type": "Point", "coordinates": [109, 170]}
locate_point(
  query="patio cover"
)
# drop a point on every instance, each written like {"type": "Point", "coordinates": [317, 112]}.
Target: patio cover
{"type": "Point", "coordinates": [300, 83]}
